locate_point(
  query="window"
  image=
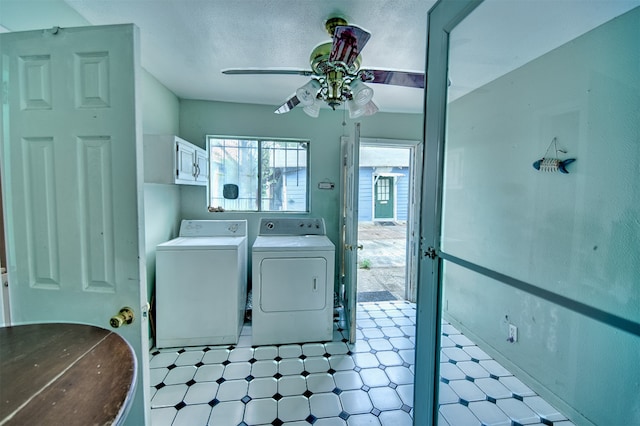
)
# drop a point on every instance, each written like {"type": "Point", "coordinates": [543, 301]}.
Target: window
{"type": "Point", "coordinates": [258, 174]}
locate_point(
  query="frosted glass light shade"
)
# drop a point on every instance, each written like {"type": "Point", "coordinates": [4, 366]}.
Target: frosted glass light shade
{"type": "Point", "coordinates": [362, 93]}
{"type": "Point", "coordinates": [312, 110]}
{"type": "Point", "coordinates": [355, 110]}
{"type": "Point", "coordinates": [307, 93]}
{"type": "Point", "coordinates": [370, 108]}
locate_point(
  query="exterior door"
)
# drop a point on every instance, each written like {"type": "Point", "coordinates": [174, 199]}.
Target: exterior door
{"type": "Point", "coordinates": [383, 198]}
{"type": "Point", "coordinates": [72, 176]}
{"type": "Point", "coordinates": [413, 223]}
{"type": "Point", "coordinates": [351, 164]}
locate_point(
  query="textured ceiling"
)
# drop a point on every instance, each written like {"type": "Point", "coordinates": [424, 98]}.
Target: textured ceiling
{"type": "Point", "coordinates": [186, 43]}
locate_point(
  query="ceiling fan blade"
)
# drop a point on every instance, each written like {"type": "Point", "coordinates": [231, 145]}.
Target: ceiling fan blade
{"type": "Point", "coordinates": [348, 42]}
{"type": "Point", "coordinates": [288, 105]}
{"type": "Point", "coordinates": [396, 78]}
{"type": "Point", "coordinates": [285, 71]}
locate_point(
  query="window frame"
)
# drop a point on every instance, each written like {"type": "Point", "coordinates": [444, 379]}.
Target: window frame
{"type": "Point", "coordinates": [260, 181]}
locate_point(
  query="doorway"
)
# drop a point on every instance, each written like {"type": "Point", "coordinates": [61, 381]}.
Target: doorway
{"type": "Point", "coordinates": [386, 193]}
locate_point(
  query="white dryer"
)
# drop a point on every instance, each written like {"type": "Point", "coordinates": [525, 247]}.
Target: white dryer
{"type": "Point", "coordinates": [201, 284]}
{"type": "Point", "coordinates": [293, 264]}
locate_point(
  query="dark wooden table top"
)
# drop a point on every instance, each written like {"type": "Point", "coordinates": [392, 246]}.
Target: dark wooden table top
{"type": "Point", "coordinates": [64, 374]}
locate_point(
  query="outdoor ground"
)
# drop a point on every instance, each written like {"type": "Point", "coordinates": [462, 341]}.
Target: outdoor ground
{"type": "Point", "coordinates": [381, 262]}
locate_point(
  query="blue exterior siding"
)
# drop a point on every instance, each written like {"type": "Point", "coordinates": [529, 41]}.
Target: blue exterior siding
{"type": "Point", "coordinates": [295, 182]}
{"type": "Point", "coordinates": [365, 195]}
{"type": "Point", "coordinates": [365, 192]}
{"type": "Point", "coordinates": [402, 193]}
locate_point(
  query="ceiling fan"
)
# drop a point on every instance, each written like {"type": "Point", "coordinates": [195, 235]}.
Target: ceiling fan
{"type": "Point", "coordinates": [336, 76]}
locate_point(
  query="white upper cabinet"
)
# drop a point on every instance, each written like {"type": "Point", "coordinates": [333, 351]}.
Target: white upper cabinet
{"type": "Point", "coordinates": [170, 159]}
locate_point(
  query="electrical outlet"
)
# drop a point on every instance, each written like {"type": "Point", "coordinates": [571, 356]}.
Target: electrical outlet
{"type": "Point", "coordinates": [513, 333]}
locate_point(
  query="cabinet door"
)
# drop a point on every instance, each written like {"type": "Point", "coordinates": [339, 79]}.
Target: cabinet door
{"type": "Point", "coordinates": [185, 164]}
{"type": "Point", "coordinates": [202, 166]}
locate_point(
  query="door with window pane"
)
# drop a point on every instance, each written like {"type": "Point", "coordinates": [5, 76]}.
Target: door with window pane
{"type": "Point", "coordinates": [384, 199]}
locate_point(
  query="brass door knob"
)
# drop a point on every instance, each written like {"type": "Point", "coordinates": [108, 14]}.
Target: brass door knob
{"type": "Point", "coordinates": [125, 316]}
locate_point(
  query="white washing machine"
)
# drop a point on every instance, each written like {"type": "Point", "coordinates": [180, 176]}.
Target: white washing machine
{"type": "Point", "coordinates": [293, 264]}
{"type": "Point", "coordinates": [201, 284]}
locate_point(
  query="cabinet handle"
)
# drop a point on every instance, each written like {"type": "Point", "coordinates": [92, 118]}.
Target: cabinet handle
{"type": "Point", "coordinates": [315, 284]}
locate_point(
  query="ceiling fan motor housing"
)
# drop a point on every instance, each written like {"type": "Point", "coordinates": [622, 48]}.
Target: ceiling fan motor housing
{"type": "Point", "coordinates": [320, 63]}
{"type": "Point", "coordinates": [334, 22]}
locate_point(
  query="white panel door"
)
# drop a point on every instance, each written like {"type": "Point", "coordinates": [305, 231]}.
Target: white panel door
{"type": "Point", "coordinates": [72, 176]}
{"type": "Point", "coordinates": [351, 164]}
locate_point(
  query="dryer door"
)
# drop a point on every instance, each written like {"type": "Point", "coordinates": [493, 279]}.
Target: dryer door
{"type": "Point", "coordinates": [293, 284]}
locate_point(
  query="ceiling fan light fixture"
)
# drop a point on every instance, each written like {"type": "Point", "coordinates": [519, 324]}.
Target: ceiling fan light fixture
{"type": "Point", "coordinates": [362, 94]}
{"type": "Point", "coordinates": [307, 93]}
{"type": "Point", "coordinates": [336, 77]}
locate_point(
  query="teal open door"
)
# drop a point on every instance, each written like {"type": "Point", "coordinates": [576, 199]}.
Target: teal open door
{"type": "Point", "coordinates": [442, 18]}
{"type": "Point", "coordinates": [507, 243]}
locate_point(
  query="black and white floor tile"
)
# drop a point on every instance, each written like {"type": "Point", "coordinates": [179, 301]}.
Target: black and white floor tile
{"type": "Point", "coordinates": [334, 383]}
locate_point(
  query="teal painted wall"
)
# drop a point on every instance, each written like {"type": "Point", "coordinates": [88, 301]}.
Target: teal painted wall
{"type": "Point", "coordinates": [20, 16]}
{"type": "Point", "coordinates": [200, 118]}
{"type": "Point", "coordinates": [160, 111]}
{"type": "Point", "coordinates": [576, 235]}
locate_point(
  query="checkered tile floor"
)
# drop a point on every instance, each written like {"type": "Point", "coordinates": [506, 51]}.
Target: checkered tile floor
{"type": "Point", "coordinates": [333, 383]}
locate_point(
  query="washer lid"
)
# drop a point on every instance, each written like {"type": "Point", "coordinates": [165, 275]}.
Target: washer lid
{"type": "Point", "coordinates": [202, 243]}
{"type": "Point", "coordinates": [292, 242]}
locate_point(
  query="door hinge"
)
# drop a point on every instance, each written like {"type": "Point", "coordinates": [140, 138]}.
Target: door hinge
{"type": "Point", "coordinates": [431, 253]}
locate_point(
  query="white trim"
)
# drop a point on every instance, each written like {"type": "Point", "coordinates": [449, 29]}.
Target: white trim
{"type": "Point", "coordinates": [412, 249]}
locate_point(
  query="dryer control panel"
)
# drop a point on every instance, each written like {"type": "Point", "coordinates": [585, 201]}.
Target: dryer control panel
{"type": "Point", "coordinates": [292, 226]}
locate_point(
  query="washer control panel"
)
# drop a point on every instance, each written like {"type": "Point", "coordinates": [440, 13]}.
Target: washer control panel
{"type": "Point", "coordinates": [213, 228]}
{"type": "Point", "coordinates": [292, 226]}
